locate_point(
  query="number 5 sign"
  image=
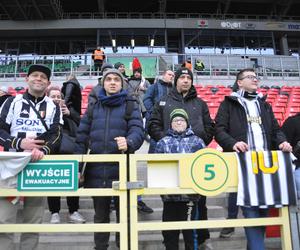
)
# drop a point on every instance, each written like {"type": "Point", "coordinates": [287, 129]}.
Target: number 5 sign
{"type": "Point", "coordinates": [207, 171]}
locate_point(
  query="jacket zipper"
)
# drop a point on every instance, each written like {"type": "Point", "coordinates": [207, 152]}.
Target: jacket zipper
{"type": "Point", "coordinates": [107, 115]}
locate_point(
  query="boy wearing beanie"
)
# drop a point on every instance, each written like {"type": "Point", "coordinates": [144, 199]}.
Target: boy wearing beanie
{"type": "Point", "coordinates": [184, 96]}
{"type": "Point", "coordinates": [180, 138]}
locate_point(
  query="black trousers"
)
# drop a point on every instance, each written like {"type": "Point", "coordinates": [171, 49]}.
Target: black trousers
{"type": "Point", "coordinates": [54, 204]}
{"type": "Point", "coordinates": [102, 211]}
{"type": "Point", "coordinates": [183, 211]}
{"type": "Point", "coordinates": [98, 65]}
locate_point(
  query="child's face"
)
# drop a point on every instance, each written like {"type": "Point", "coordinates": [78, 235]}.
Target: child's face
{"type": "Point", "coordinates": [179, 124]}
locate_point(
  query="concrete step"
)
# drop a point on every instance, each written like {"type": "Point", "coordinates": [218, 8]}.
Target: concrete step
{"type": "Point", "coordinates": [150, 241]}
{"type": "Point", "coordinates": [154, 201]}
{"type": "Point", "coordinates": [214, 212]}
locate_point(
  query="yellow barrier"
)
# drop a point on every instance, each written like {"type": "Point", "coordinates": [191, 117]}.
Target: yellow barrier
{"type": "Point", "coordinates": [121, 227]}
{"type": "Point", "coordinates": [173, 164]}
{"type": "Point", "coordinates": [225, 180]}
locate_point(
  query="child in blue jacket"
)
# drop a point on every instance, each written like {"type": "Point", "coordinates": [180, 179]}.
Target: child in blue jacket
{"type": "Point", "coordinates": [180, 138]}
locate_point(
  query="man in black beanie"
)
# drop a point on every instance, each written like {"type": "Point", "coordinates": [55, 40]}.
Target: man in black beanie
{"type": "Point", "coordinates": [184, 96]}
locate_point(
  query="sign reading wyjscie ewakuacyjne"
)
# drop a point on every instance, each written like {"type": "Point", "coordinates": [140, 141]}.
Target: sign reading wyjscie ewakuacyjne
{"type": "Point", "coordinates": [49, 176]}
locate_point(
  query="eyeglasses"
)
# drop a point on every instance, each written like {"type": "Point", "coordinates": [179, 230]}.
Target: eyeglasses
{"type": "Point", "coordinates": [175, 120]}
{"type": "Point", "coordinates": [250, 77]}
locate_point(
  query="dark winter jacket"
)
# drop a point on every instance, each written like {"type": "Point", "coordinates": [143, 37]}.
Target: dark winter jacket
{"type": "Point", "coordinates": [137, 92]}
{"type": "Point", "coordinates": [232, 126]}
{"type": "Point", "coordinates": [173, 142]}
{"type": "Point", "coordinates": [291, 129]}
{"type": "Point", "coordinates": [3, 99]}
{"type": "Point", "coordinates": [72, 94]}
{"type": "Point", "coordinates": [197, 109]}
{"type": "Point", "coordinates": [98, 132]}
{"type": "Point", "coordinates": [153, 95]}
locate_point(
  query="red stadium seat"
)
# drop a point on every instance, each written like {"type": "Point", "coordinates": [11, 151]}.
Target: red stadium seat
{"type": "Point", "coordinates": [278, 109]}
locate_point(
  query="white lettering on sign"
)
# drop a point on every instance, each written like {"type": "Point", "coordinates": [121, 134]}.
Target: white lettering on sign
{"type": "Point", "coordinates": [47, 181]}
{"type": "Point", "coordinates": [231, 25]}
{"type": "Point", "coordinates": [48, 172]}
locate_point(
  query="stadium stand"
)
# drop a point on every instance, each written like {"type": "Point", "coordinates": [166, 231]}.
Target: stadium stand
{"type": "Point", "coordinates": [225, 35]}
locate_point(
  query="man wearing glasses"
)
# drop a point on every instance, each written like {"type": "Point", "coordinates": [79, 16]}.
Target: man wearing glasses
{"type": "Point", "coordinates": [245, 121]}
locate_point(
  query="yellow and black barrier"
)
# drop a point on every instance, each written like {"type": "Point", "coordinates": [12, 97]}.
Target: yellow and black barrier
{"type": "Point", "coordinates": [207, 172]}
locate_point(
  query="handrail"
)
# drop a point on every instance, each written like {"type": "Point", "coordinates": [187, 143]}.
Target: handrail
{"type": "Point", "coordinates": [216, 66]}
{"type": "Point", "coordinates": [170, 15]}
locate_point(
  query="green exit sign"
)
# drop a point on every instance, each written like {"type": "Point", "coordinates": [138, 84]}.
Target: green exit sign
{"type": "Point", "coordinates": [49, 176]}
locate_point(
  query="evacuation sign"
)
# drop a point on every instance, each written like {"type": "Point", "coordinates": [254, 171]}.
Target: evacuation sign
{"type": "Point", "coordinates": [49, 176]}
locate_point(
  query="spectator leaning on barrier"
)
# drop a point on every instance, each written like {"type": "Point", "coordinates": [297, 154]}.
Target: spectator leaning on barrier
{"type": "Point", "coordinates": [245, 121]}
{"type": "Point", "coordinates": [184, 96]}
{"type": "Point", "coordinates": [108, 129]}
{"type": "Point", "coordinates": [71, 121]}
{"type": "Point", "coordinates": [21, 129]}
{"type": "Point", "coordinates": [180, 138]}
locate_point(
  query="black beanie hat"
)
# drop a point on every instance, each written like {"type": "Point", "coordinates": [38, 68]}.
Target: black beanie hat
{"type": "Point", "coordinates": [137, 70]}
{"type": "Point", "coordinates": [118, 64]}
{"type": "Point", "coordinates": [180, 72]}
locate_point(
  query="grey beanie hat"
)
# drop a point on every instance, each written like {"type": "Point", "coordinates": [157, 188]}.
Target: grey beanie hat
{"type": "Point", "coordinates": [112, 71]}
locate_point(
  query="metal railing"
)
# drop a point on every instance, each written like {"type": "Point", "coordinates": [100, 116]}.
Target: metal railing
{"type": "Point", "coordinates": [123, 188]}
{"type": "Point", "coordinates": [216, 66]}
{"type": "Point", "coordinates": [163, 15]}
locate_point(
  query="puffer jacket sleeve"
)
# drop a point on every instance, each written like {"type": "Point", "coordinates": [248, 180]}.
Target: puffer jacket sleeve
{"type": "Point", "coordinates": [82, 136]}
{"type": "Point", "coordinates": [209, 125]}
{"type": "Point", "coordinates": [160, 147]}
{"type": "Point", "coordinates": [149, 101]}
{"type": "Point", "coordinates": [155, 124]}
{"type": "Point", "coordinates": [135, 134]}
{"type": "Point", "coordinates": [278, 136]}
{"type": "Point", "coordinates": [225, 140]}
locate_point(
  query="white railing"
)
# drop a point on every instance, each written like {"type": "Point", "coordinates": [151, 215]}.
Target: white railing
{"type": "Point", "coordinates": [216, 66]}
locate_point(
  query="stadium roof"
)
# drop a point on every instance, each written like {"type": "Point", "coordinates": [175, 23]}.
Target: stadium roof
{"type": "Point", "coordinates": [57, 9]}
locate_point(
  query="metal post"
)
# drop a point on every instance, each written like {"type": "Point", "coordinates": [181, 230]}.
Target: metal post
{"type": "Point", "coordinates": [281, 66]}
{"type": "Point", "coordinates": [16, 66]}
{"type": "Point", "coordinates": [295, 226]}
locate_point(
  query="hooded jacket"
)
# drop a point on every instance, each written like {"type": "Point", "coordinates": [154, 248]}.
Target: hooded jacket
{"type": "Point", "coordinates": [72, 94]}
{"type": "Point", "coordinates": [199, 118]}
{"type": "Point", "coordinates": [232, 126]}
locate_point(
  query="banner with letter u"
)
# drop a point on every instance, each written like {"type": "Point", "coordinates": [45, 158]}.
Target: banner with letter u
{"type": "Point", "coordinates": [266, 179]}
